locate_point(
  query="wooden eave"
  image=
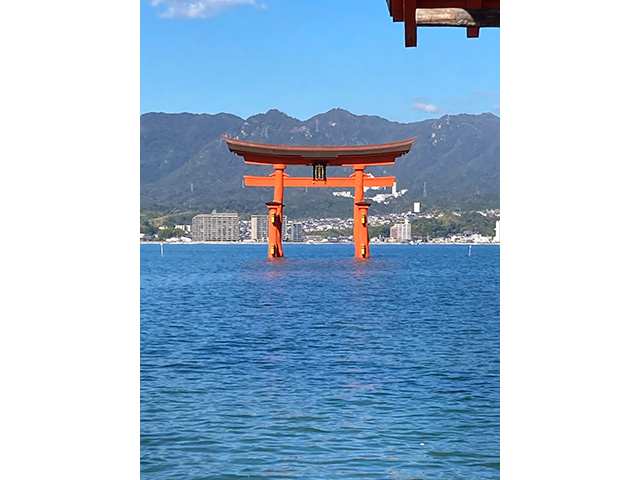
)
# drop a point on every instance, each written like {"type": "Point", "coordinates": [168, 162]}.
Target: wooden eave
{"type": "Point", "coordinates": [471, 14]}
{"type": "Point", "coordinates": [264, 154]}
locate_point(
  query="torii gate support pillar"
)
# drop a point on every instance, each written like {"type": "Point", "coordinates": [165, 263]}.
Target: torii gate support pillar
{"type": "Point", "coordinates": [361, 230]}
{"type": "Point", "coordinates": [275, 229]}
{"type": "Point", "coordinates": [275, 212]}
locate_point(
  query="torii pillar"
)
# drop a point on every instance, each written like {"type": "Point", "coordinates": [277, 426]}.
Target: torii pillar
{"type": "Point", "coordinates": [358, 157]}
{"type": "Point", "coordinates": [275, 229]}
{"type": "Point", "coordinates": [361, 229]}
{"type": "Point", "coordinates": [275, 213]}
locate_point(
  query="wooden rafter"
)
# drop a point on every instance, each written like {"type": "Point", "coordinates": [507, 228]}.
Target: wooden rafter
{"type": "Point", "coordinates": [470, 14]}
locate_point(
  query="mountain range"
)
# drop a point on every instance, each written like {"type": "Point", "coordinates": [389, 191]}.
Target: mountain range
{"type": "Point", "coordinates": [185, 164]}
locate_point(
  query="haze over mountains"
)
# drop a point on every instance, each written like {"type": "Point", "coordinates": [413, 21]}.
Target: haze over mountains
{"type": "Point", "coordinates": [185, 165]}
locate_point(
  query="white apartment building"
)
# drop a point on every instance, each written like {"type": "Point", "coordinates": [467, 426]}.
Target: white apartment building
{"type": "Point", "coordinates": [294, 232]}
{"type": "Point", "coordinates": [260, 228]}
{"type": "Point", "coordinates": [215, 227]}
{"type": "Point", "coordinates": [401, 232]}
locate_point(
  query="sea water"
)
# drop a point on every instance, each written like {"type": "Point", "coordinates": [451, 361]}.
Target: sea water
{"type": "Point", "coordinates": [319, 365]}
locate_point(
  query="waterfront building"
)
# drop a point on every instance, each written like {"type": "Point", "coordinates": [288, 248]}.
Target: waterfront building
{"type": "Point", "coordinates": [496, 239]}
{"type": "Point", "coordinates": [294, 232]}
{"type": "Point", "coordinates": [260, 227]}
{"type": "Point", "coordinates": [215, 227]}
{"type": "Point", "coordinates": [401, 232]}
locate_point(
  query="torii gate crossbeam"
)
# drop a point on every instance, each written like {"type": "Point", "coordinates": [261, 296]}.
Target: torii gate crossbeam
{"type": "Point", "coordinates": [281, 156]}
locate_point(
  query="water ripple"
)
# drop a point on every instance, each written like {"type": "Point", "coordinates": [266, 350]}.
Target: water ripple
{"type": "Point", "coordinates": [319, 366]}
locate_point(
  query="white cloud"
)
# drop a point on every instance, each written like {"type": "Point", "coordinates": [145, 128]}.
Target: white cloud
{"type": "Point", "coordinates": [199, 8]}
{"type": "Point", "coordinates": [425, 107]}
{"type": "Point", "coordinates": [474, 102]}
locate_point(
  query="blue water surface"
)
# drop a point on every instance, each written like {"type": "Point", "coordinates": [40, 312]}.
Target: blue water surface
{"type": "Point", "coordinates": [319, 365]}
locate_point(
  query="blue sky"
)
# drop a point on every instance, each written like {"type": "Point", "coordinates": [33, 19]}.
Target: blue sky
{"type": "Point", "coordinates": [306, 57]}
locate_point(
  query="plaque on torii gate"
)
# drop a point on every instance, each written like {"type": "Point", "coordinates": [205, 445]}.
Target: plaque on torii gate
{"type": "Point", "coordinates": [358, 157]}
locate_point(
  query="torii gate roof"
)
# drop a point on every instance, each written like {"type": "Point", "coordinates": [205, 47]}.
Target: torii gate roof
{"type": "Point", "coordinates": [264, 154]}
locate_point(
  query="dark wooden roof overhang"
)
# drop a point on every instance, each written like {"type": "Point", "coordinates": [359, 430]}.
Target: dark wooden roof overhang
{"type": "Point", "coordinates": [472, 14]}
{"type": "Point", "coordinates": [264, 154]}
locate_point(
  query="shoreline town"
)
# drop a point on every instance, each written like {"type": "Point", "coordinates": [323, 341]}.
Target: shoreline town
{"type": "Point", "coordinates": [227, 228]}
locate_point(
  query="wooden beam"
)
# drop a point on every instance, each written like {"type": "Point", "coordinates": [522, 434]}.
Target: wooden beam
{"type": "Point", "coordinates": [410, 27]}
{"type": "Point", "coordinates": [473, 32]}
{"type": "Point", "coordinates": [456, 3]}
{"type": "Point", "coordinates": [396, 8]}
{"type": "Point", "coordinates": [457, 17]}
{"type": "Point", "coordinates": [341, 182]}
{"type": "Point", "coordinates": [340, 161]}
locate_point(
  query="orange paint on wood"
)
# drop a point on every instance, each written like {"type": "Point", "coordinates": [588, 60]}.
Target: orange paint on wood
{"type": "Point", "coordinates": [361, 230]}
{"type": "Point", "coordinates": [275, 230]}
{"type": "Point", "coordinates": [335, 182]}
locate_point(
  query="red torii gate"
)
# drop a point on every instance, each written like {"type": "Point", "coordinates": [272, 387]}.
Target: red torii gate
{"type": "Point", "coordinates": [280, 156]}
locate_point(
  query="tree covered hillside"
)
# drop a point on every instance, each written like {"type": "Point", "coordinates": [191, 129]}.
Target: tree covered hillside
{"type": "Point", "coordinates": [186, 166]}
